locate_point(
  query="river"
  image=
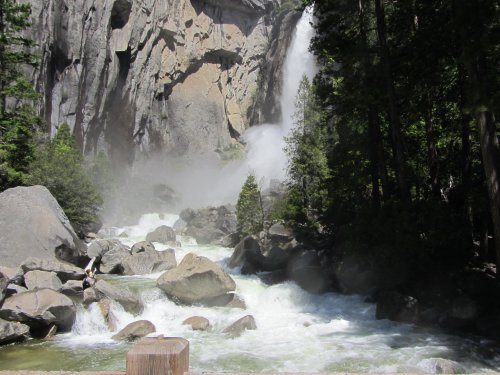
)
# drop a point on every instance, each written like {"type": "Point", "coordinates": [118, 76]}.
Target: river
{"type": "Point", "coordinates": [296, 331]}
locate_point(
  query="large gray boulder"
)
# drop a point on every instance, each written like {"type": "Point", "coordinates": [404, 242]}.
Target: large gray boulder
{"type": "Point", "coordinates": [135, 330]}
{"type": "Point", "coordinates": [42, 280]}
{"type": "Point", "coordinates": [12, 332]}
{"type": "Point", "coordinates": [40, 308]}
{"type": "Point", "coordinates": [123, 296]}
{"type": "Point", "coordinates": [247, 255]}
{"type": "Point", "coordinates": [240, 326]}
{"type": "Point", "coordinates": [32, 224]}
{"type": "Point", "coordinates": [209, 225]}
{"type": "Point", "coordinates": [163, 234]}
{"type": "Point", "coordinates": [149, 261]}
{"type": "Point", "coordinates": [197, 280]}
{"type": "Point", "coordinates": [112, 258]}
{"type": "Point", "coordinates": [63, 271]}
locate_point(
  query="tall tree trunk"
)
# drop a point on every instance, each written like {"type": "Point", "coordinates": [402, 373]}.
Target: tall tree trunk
{"type": "Point", "coordinates": [374, 162]}
{"type": "Point", "coordinates": [480, 98]}
{"type": "Point", "coordinates": [432, 152]}
{"type": "Point", "coordinates": [373, 124]}
{"type": "Point", "coordinates": [394, 116]}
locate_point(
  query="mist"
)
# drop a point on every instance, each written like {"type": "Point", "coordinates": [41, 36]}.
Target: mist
{"type": "Point", "coordinates": [166, 184]}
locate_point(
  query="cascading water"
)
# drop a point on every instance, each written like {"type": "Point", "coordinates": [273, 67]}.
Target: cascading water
{"type": "Point", "coordinates": [266, 156]}
{"type": "Point", "coordinates": [296, 331]}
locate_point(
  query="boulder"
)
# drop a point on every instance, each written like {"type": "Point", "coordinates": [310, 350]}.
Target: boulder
{"type": "Point", "coordinates": [231, 240]}
{"type": "Point", "coordinates": [14, 289]}
{"type": "Point", "coordinates": [196, 280]}
{"type": "Point", "coordinates": [32, 224]}
{"type": "Point", "coordinates": [241, 325]}
{"type": "Point", "coordinates": [63, 271]}
{"type": "Point", "coordinates": [209, 225]}
{"type": "Point", "coordinates": [113, 256]}
{"type": "Point", "coordinates": [197, 323]}
{"type": "Point", "coordinates": [40, 308]}
{"type": "Point", "coordinates": [397, 307]}
{"type": "Point", "coordinates": [149, 261]}
{"type": "Point", "coordinates": [279, 233]}
{"type": "Point", "coordinates": [42, 279]}
{"type": "Point", "coordinates": [123, 296]}
{"type": "Point", "coordinates": [237, 302]}
{"type": "Point", "coordinates": [135, 330]}
{"type": "Point", "coordinates": [441, 366]}
{"type": "Point", "coordinates": [247, 255]}
{"type": "Point", "coordinates": [72, 288]}
{"type": "Point", "coordinates": [4, 282]}
{"type": "Point", "coordinates": [107, 314]}
{"type": "Point", "coordinates": [142, 246]}
{"type": "Point", "coordinates": [306, 270]}
{"type": "Point", "coordinates": [163, 234]}
{"type": "Point", "coordinates": [13, 274]}
{"type": "Point", "coordinates": [12, 332]}
{"type": "Point", "coordinates": [179, 226]}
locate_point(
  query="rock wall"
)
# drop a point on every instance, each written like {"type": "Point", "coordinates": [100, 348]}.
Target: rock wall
{"type": "Point", "coordinates": [176, 76]}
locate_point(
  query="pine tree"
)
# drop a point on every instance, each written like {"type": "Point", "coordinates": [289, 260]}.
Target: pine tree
{"type": "Point", "coordinates": [308, 172]}
{"type": "Point", "coordinates": [249, 208]}
{"type": "Point", "coordinates": [58, 165]}
{"type": "Point", "coordinates": [17, 117]}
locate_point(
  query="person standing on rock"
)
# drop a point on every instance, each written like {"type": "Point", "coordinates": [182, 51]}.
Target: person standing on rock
{"type": "Point", "coordinates": [89, 280]}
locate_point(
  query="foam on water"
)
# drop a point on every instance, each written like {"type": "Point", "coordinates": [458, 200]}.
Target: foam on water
{"type": "Point", "coordinates": [296, 331]}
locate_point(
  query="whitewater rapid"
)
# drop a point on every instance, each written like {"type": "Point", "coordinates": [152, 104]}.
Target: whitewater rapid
{"type": "Point", "coordinates": [296, 331]}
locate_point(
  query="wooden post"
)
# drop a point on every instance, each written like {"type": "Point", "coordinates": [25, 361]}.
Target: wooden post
{"type": "Point", "coordinates": [159, 356]}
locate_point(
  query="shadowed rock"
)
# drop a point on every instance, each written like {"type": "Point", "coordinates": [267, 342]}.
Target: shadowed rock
{"type": "Point", "coordinates": [40, 308]}
{"type": "Point", "coordinates": [12, 332]}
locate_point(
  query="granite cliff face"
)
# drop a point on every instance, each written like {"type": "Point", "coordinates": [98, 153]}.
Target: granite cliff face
{"type": "Point", "coordinates": [176, 76]}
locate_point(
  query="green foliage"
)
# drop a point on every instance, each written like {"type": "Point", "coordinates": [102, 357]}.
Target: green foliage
{"type": "Point", "coordinates": [308, 171]}
{"type": "Point", "coordinates": [58, 165]}
{"type": "Point", "coordinates": [424, 69]}
{"type": "Point", "coordinates": [18, 118]}
{"type": "Point", "coordinates": [249, 208]}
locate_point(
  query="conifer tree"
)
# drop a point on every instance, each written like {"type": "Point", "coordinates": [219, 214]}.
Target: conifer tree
{"type": "Point", "coordinates": [17, 116]}
{"type": "Point", "coordinates": [249, 208]}
{"type": "Point", "coordinates": [308, 171]}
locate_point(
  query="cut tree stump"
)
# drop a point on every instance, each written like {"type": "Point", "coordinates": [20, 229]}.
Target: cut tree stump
{"type": "Point", "coordinates": [159, 356]}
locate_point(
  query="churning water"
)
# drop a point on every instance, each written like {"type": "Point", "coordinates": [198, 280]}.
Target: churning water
{"type": "Point", "coordinates": [296, 331]}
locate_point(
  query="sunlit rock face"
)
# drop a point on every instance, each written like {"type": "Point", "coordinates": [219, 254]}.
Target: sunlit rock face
{"type": "Point", "coordinates": [134, 77]}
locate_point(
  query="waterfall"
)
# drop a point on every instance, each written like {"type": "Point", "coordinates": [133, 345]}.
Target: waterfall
{"type": "Point", "coordinates": [266, 156]}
